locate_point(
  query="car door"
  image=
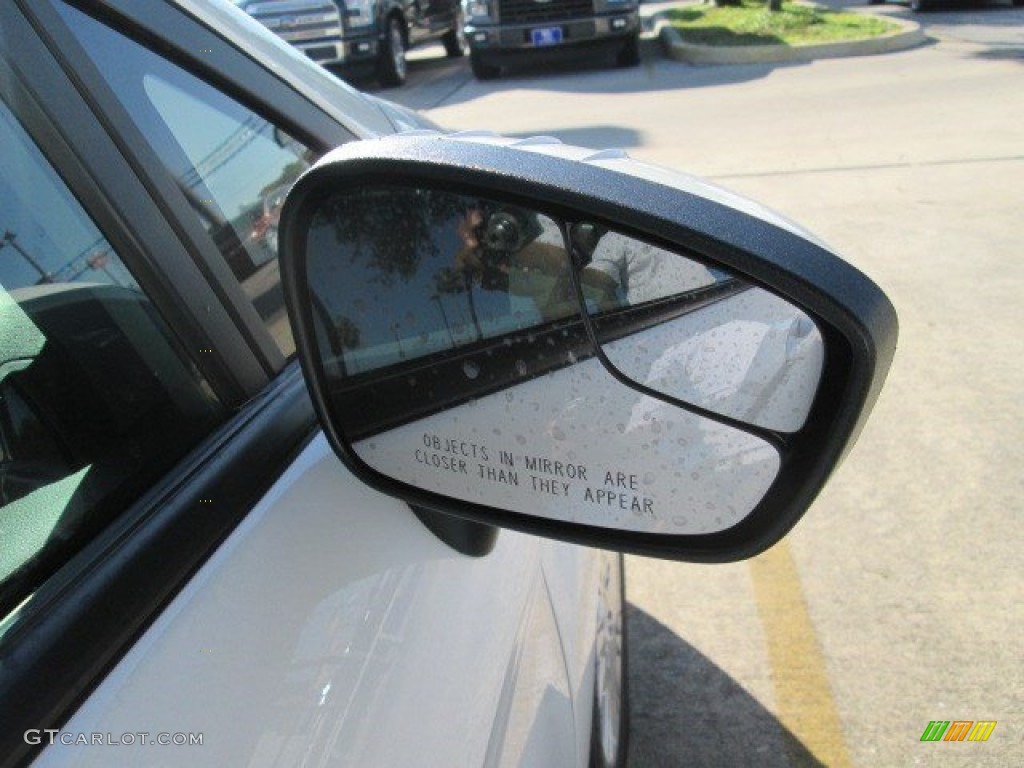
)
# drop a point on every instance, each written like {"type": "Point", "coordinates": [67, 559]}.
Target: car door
{"type": "Point", "coordinates": [246, 601]}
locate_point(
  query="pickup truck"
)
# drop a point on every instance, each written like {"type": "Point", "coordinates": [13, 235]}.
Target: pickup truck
{"type": "Point", "coordinates": [502, 31]}
{"type": "Point", "coordinates": [361, 35]}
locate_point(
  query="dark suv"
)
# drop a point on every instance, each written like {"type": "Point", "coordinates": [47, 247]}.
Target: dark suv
{"type": "Point", "coordinates": [354, 35]}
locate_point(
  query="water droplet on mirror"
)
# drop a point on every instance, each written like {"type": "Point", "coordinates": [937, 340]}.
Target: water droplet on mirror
{"type": "Point", "coordinates": [520, 439]}
{"type": "Point", "coordinates": [471, 369]}
{"type": "Point", "coordinates": [648, 478]}
{"type": "Point", "coordinates": [557, 433]}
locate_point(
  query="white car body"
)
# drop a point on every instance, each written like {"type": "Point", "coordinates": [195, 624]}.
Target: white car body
{"type": "Point", "coordinates": [256, 604]}
{"type": "Point", "coordinates": [333, 629]}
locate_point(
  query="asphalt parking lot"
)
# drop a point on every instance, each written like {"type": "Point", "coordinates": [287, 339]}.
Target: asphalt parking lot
{"type": "Point", "coordinates": [898, 600]}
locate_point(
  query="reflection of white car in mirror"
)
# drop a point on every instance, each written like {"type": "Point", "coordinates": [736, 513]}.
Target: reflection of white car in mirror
{"type": "Point", "coordinates": [529, 358]}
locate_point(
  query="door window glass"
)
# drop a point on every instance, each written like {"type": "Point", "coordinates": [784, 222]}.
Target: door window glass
{"type": "Point", "coordinates": [97, 398]}
{"type": "Point", "coordinates": [233, 166]}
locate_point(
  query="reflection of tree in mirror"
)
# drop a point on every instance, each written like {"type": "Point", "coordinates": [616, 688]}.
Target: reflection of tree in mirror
{"type": "Point", "coordinates": [390, 229]}
{"type": "Point", "coordinates": [450, 282]}
{"type": "Point", "coordinates": [348, 333]}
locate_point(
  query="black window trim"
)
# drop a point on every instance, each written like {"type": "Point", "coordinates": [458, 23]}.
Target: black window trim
{"type": "Point", "coordinates": [60, 643]}
{"type": "Point", "coordinates": [69, 634]}
{"type": "Point", "coordinates": [261, 93]}
{"type": "Point", "coordinates": [96, 175]}
{"type": "Point", "coordinates": [236, 73]}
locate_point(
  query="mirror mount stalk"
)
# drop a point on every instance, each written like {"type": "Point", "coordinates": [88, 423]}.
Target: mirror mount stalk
{"type": "Point", "coordinates": [466, 537]}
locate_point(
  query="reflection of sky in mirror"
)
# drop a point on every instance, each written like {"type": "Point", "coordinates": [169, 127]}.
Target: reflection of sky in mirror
{"type": "Point", "coordinates": [400, 316]}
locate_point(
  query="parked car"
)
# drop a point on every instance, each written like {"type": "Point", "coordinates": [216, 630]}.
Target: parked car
{"type": "Point", "coordinates": [362, 504]}
{"type": "Point", "coordinates": [360, 35]}
{"type": "Point", "coordinates": [500, 32]}
{"type": "Point", "coordinates": [921, 6]}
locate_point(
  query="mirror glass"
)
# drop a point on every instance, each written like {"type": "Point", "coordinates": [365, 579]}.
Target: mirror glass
{"type": "Point", "coordinates": [698, 334]}
{"type": "Point", "coordinates": [457, 359]}
{"type": "Point", "coordinates": [399, 274]}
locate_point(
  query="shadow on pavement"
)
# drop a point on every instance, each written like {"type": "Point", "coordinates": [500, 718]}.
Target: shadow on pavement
{"type": "Point", "coordinates": [685, 710]}
{"type": "Point", "coordinates": [1001, 54]}
{"type": "Point", "coordinates": [435, 82]}
{"type": "Point", "coordinates": [597, 76]}
{"type": "Point", "coordinates": [945, 12]}
{"type": "Point", "coordinates": [595, 136]}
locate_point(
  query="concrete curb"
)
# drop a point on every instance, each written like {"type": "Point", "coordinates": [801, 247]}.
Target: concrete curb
{"type": "Point", "coordinates": [909, 35]}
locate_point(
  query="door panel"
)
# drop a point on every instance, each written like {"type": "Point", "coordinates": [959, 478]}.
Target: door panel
{"type": "Point", "coordinates": [333, 627]}
{"type": "Point", "coordinates": [571, 575]}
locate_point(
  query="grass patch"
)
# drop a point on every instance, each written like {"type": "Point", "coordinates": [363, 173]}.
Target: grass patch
{"type": "Point", "coordinates": [751, 23]}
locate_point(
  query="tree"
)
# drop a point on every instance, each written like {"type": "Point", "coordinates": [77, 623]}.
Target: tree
{"type": "Point", "coordinates": [389, 229]}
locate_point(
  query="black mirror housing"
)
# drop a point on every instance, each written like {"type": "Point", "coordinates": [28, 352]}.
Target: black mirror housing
{"type": "Point", "coordinates": [695, 421]}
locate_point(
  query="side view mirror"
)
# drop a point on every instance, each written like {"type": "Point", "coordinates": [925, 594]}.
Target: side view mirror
{"type": "Point", "coordinates": [574, 344]}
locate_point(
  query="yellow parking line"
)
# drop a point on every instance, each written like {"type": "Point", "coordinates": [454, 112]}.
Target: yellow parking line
{"type": "Point", "coordinates": [803, 696]}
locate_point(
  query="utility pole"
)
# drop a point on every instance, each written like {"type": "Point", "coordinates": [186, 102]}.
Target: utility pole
{"type": "Point", "coordinates": [9, 239]}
